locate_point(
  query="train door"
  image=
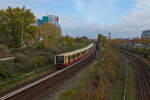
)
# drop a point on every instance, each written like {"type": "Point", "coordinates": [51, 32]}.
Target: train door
{"type": "Point", "coordinates": [66, 60]}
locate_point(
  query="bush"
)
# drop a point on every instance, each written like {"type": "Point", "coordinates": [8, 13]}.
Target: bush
{"type": "Point", "coordinates": [40, 45]}
{"type": "Point", "coordinates": [40, 61]}
{"type": "Point", "coordinates": [46, 55]}
{"type": "Point", "coordinates": [6, 69]}
{"type": "Point", "coordinates": [38, 53]}
{"type": "Point", "coordinates": [27, 51]}
{"type": "Point", "coordinates": [4, 52]}
{"type": "Point", "coordinates": [50, 57]}
{"type": "Point", "coordinates": [23, 67]}
{"type": "Point", "coordinates": [2, 77]}
{"type": "Point", "coordinates": [20, 57]}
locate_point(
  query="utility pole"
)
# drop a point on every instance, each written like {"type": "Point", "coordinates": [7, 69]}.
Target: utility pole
{"type": "Point", "coordinates": [22, 34]}
{"type": "Point", "coordinates": [109, 35]}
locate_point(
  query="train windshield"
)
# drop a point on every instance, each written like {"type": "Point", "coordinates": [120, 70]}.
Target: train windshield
{"type": "Point", "coordinates": [60, 59]}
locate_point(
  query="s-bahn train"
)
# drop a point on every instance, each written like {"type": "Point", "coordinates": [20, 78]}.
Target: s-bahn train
{"type": "Point", "coordinates": [66, 59]}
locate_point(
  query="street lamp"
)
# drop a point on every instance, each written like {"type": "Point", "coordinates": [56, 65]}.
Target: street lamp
{"type": "Point", "coordinates": [22, 34]}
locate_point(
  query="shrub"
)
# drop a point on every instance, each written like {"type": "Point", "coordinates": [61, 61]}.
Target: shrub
{"type": "Point", "coordinates": [4, 52]}
{"type": "Point", "coordinates": [40, 61]}
{"type": "Point", "coordinates": [50, 57]}
{"type": "Point", "coordinates": [2, 77]}
{"type": "Point", "coordinates": [40, 45]}
{"type": "Point", "coordinates": [22, 67]}
{"type": "Point", "coordinates": [6, 69]}
{"type": "Point", "coordinates": [20, 57]}
{"type": "Point", "coordinates": [27, 51]}
{"type": "Point", "coordinates": [95, 75]}
{"type": "Point", "coordinates": [38, 53]}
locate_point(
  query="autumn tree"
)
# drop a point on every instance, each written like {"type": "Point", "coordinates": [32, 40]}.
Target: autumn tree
{"type": "Point", "coordinates": [51, 34]}
{"type": "Point", "coordinates": [141, 40]}
{"type": "Point", "coordinates": [16, 25]}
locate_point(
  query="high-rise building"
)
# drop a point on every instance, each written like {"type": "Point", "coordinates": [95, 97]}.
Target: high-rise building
{"type": "Point", "coordinates": [49, 19]}
{"type": "Point", "coordinates": [45, 19]}
{"type": "Point", "coordinates": [39, 22]}
{"type": "Point", "coordinates": [53, 19]}
{"type": "Point", "coordinates": [145, 34]}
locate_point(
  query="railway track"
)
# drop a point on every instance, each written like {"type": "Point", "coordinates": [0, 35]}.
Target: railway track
{"type": "Point", "coordinates": [142, 76]}
{"type": "Point", "coordinates": [39, 89]}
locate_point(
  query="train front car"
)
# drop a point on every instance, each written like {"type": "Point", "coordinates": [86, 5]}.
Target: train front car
{"type": "Point", "coordinates": [59, 61]}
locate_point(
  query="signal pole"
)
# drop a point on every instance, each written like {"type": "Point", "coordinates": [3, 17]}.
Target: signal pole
{"type": "Point", "coordinates": [109, 35]}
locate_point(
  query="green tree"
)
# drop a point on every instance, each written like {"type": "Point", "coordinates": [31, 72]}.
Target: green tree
{"type": "Point", "coordinates": [14, 22]}
{"type": "Point", "coordinates": [82, 40]}
{"type": "Point", "coordinates": [101, 39]}
{"type": "Point", "coordinates": [68, 41]}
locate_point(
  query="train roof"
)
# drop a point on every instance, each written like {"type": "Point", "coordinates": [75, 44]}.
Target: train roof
{"type": "Point", "coordinates": [76, 51]}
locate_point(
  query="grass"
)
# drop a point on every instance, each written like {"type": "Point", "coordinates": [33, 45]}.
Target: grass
{"type": "Point", "coordinates": [77, 87]}
{"type": "Point", "coordinates": [12, 82]}
{"type": "Point", "coordinates": [118, 87]}
{"type": "Point", "coordinates": [117, 90]}
{"type": "Point", "coordinates": [130, 85]}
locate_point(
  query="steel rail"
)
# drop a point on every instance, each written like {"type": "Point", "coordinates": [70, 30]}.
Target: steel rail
{"type": "Point", "coordinates": [138, 80]}
{"type": "Point", "coordinates": [142, 76]}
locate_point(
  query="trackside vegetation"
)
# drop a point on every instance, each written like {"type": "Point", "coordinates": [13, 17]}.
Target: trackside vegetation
{"type": "Point", "coordinates": [33, 48]}
{"type": "Point", "coordinates": [31, 59]}
{"type": "Point", "coordinates": [131, 84]}
{"type": "Point", "coordinates": [102, 80]}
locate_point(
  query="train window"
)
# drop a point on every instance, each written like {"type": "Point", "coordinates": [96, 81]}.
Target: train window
{"type": "Point", "coordinates": [59, 59]}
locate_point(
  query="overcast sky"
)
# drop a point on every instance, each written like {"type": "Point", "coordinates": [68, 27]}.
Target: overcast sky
{"type": "Point", "coordinates": [123, 18]}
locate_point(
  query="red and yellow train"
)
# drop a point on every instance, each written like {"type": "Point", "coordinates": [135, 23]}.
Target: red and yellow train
{"type": "Point", "coordinates": [66, 59]}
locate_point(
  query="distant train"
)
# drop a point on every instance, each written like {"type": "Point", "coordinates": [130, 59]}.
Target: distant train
{"type": "Point", "coordinates": [66, 59]}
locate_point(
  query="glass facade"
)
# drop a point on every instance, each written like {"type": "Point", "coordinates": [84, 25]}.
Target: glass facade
{"type": "Point", "coordinates": [39, 21]}
{"type": "Point", "coordinates": [49, 19]}
{"type": "Point", "coordinates": [45, 19]}
{"type": "Point", "coordinates": [146, 34]}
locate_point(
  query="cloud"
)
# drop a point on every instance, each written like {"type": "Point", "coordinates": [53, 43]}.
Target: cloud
{"type": "Point", "coordinates": [143, 4]}
{"type": "Point", "coordinates": [131, 25]}
{"type": "Point", "coordinates": [91, 10]}
{"type": "Point", "coordinates": [135, 22]}
{"type": "Point", "coordinates": [74, 27]}
{"type": "Point", "coordinates": [92, 15]}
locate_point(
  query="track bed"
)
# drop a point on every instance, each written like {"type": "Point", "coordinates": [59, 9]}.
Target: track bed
{"type": "Point", "coordinates": [40, 88]}
{"type": "Point", "coordinates": [141, 74]}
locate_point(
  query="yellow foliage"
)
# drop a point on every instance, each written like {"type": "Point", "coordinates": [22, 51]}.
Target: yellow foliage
{"type": "Point", "coordinates": [51, 34]}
